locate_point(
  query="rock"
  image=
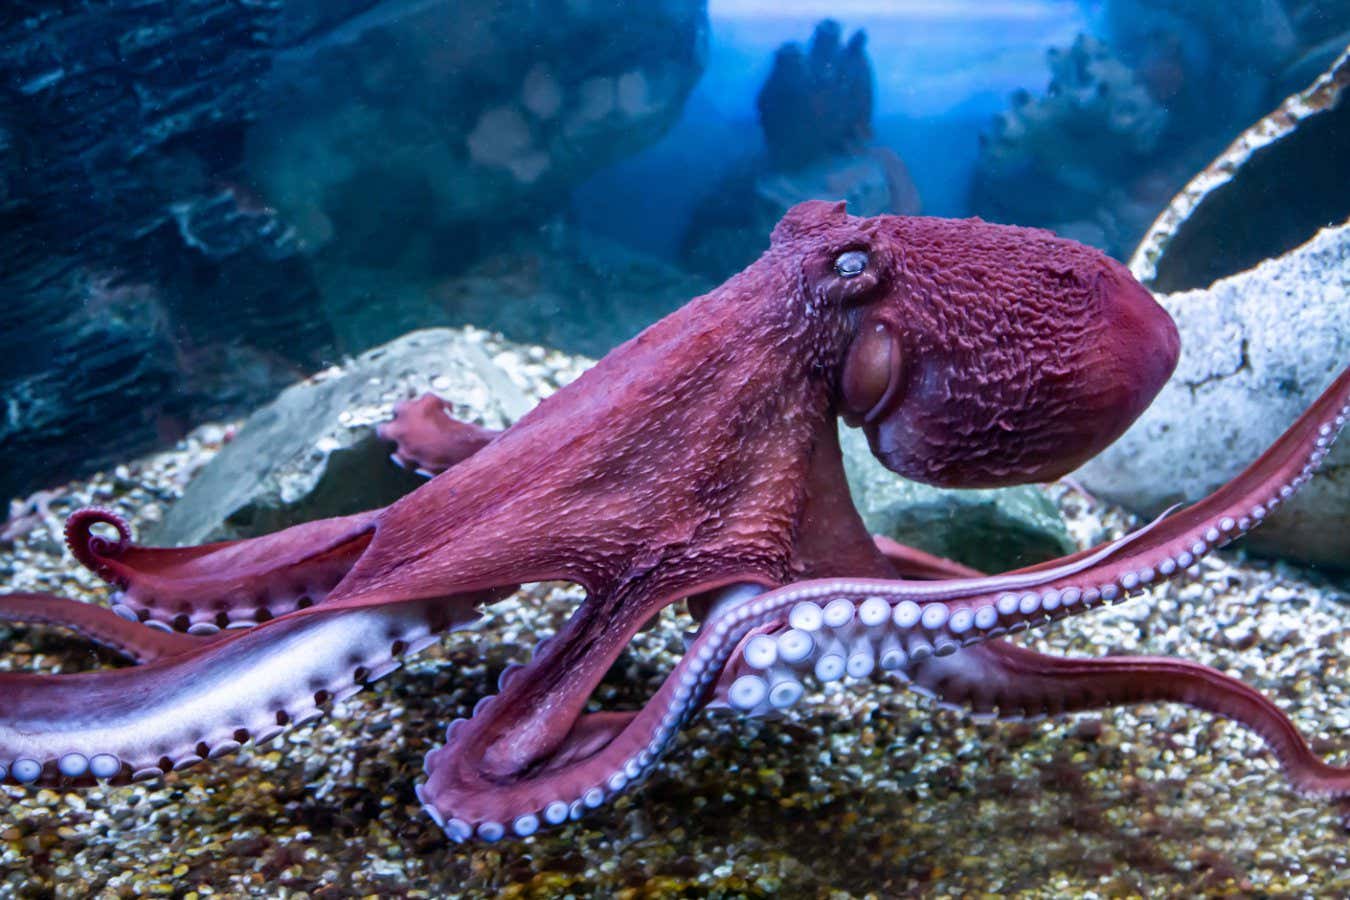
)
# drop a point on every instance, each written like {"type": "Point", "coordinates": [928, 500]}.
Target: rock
{"type": "Point", "coordinates": [313, 452]}
{"type": "Point", "coordinates": [415, 118]}
{"type": "Point", "coordinates": [830, 81]}
{"type": "Point", "coordinates": [161, 164]}
{"type": "Point", "coordinates": [1257, 349]}
{"type": "Point", "coordinates": [1074, 159]}
{"type": "Point", "coordinates": [127, 232]}
{"type": "Point", "coordinates": [1245, 206]}
{"type": "Point", "coordinates": [991, 530]}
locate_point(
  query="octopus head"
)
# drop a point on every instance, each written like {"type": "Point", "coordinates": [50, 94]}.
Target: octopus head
{"type": "Point", "coordinates": [980, 355]}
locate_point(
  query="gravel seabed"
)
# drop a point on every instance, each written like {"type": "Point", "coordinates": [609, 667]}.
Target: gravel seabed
{"type": "Point", "coordinates": [865, 790]}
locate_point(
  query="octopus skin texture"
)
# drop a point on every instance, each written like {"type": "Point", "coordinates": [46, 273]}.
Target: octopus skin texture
{"type": "Point", "coordinates": [697, 462]}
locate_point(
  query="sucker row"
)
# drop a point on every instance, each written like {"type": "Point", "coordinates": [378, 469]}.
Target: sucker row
{"type": "Point", "coordinates": [206, 716]}
{"type": "Point", "coordinates": [856, 638]}
{"type": "Point", "coordinates": [262, 607]}
{"type": "Point", "coordinates": [207, 589]}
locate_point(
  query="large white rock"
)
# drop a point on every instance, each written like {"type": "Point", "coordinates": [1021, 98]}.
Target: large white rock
{"type": "Point", "coordinates": [313, 451]}
{"type": "Point", "coordinates": [1257, 349]}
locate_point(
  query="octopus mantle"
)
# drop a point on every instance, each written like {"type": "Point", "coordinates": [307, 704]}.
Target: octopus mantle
{"type": "Point", "coordinates": [699, 462]}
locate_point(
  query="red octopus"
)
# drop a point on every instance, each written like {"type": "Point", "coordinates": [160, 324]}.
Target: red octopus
{"type": "Point", "coordinates": [699, 462]}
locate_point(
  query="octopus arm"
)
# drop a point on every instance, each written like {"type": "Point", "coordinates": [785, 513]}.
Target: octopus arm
{"type": "Point", "coordinates": [428, 439]}
{"type": "Point", "coordinates": [133, 640]}
{"type": "Point", "coordinates": [228, 584]}
{"type": "Point", "coordinates": [173, 712]}
{"type": "Point", "coordinates": [998, 678]}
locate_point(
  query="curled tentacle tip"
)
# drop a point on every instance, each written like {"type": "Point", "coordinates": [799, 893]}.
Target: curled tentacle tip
{"type": "Point", "coordinates": [93, 550]}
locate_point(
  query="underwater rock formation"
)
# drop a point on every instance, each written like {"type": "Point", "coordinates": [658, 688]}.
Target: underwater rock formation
{"type": "Point", "coordinates": [160, 163]}
{"type": "Point", "coordinates": [815, 111]}
{"type": "Point", "coordinates": [312, 452]}
{"type": "Point", "coordinates": [127, 231]}
{"type": "Point", "coordinates": [817, 102]}
{"type": "Point", "coordinates": [415, 119]}
{"type": "Point", "coordinates": [1076, 159]}
{"type": "Point", "coordinates": [1223, 221]}
{"type": "Point", "coordinates": [1127, 120]}
{"type": "Point", "coordinates": [1256, 347]}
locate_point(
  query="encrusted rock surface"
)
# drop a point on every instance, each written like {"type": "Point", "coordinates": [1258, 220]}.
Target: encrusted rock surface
{"type": "Point", "coordinates": [1256, 349]}
{"type": "Point", "coordinates": [169, 171]}
{"type": "Point", "coordinates": [1128, 120]}
{"type": "Point", "coordinates": [414, 117]}
{"type": "Point", "coordinates": [313, 452]}
{"type": "Point", "coordinates": [1269, 191]}
{"type": "Point", "coordinates": [127, 231]}
{"type": "Point", "coordinates": [1077, 158]}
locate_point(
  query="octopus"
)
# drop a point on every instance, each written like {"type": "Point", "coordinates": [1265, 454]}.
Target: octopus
{"type": "Point", "coordinates": [698, 462]}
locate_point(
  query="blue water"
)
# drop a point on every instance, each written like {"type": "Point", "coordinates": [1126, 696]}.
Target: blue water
{"type": "Point", "coordinates": [942, 70]}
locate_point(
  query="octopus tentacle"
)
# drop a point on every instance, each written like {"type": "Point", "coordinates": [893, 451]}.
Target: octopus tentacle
{"type": "Point", "coordinates": [133, 640]}
{"type": "Point", "coordinates": [137, 723]}
{"type": "Point", "coordinates": [230, 584]}
{"type": "Point", "coordinates": [94, 551]}
{"type": "Point", "coordinates": [865, 624]}
{"type": "Point", "coordinates": [527, 756]}
{"type": "Point", "coordinates": [1008, 681]}
{"type": "Point", "coordinates": [428, 439]}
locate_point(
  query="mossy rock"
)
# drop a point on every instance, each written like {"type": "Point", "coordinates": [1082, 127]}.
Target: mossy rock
{"type": "Point", "coordinates": [991, 530]}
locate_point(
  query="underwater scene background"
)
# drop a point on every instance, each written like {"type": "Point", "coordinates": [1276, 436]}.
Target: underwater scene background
{"type": "Point", "coordinates": [241, 237]}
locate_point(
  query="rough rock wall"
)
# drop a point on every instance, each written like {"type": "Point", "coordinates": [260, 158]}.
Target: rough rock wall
{"type": "Point", "coordinates": [1127, 119]}
{"type": "Point", "coordinates": [168, 170]}
{"type": "Point", "coordinates": [144, 288]}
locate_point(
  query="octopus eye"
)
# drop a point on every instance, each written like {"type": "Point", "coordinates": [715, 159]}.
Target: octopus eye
{"type": "Point", "coordinates": [850, 264]}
